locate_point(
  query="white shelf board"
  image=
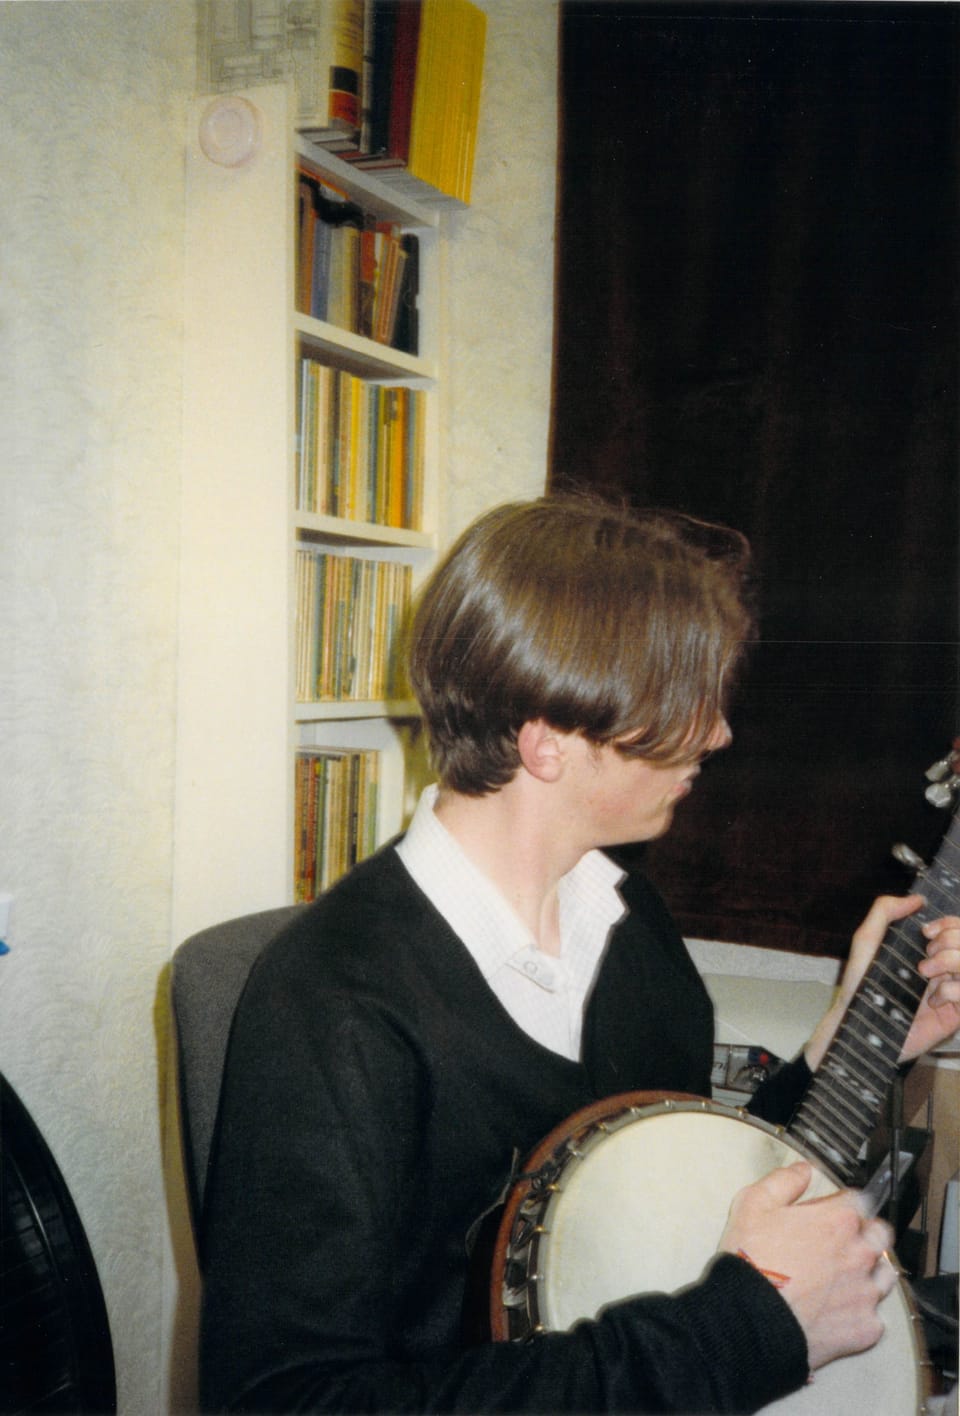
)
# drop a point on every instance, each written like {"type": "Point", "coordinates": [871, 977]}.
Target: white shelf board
{"type": "Point", "coordinates": [339, 530]}
{"type": "Point", "coordinates": [361, 355]}
{"type": "Point", "coordinates": [355, 183]}
{"type": "Point", "coordinates": [341, 710]}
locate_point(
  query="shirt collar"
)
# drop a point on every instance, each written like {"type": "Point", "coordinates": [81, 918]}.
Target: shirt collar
{"type": "Point", "coordinates": [477, 911]}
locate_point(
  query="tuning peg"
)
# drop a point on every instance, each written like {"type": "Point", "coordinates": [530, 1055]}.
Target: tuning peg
{"type": "Point", "coordinates": [941, 793]}
{"type": "Point", "coordinates": [939, 770]}
{"type": "Point", "coordinates": [908, 857]}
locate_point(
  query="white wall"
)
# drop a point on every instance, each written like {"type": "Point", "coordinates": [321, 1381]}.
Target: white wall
{"type": "Point", "coordinates": [91, 254]}
{"type": "Point", "coordinates": [499, 330]}
{"type": "Point", "coordinates": [91, 210]}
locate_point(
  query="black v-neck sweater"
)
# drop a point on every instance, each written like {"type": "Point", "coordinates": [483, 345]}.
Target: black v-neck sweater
{"type": "Point", "coordinates": [376, 1096]}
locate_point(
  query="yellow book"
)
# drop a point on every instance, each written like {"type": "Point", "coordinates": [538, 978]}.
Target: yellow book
{"type": "Point", "coordinates": [454, 41]}
{"type": "Point", "coordinates": [423, 122]}
{"type": "Point", "coordinates": [322, 416]}
{"type": "Point", "coordinates": [383, 453]}
{"type": "Point", "coordinates": [302, 627]}
{"type": "Point", "coordinates": [364, 631]}
{"type": "Point", "coordinates": [446, 102]}
{"type": "Point", "coordinates": [417, 462]}
{"type": "Point", "coordinates": [378, 676]}
{"type": "Point", "coordinates": [327, 570]}
{"type": "Point", "coordinates": [344, 443]}
{"type": "Point", "coordinates": [395, 457]}
{"type": "Point", "coordinates": [354, 510]}
{"type": "Point", "coordinates": [476, 30]}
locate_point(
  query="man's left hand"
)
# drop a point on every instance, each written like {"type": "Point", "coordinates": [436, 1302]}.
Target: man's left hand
{"type": "Point", "coordinates": [938, 1016]}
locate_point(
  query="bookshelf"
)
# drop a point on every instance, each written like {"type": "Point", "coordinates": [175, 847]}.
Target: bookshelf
{"type": "Point", "coordinates": [244, 714]}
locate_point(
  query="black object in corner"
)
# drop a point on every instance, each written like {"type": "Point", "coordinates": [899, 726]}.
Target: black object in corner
{"type": "Point", "coordinates": [56, 1353]}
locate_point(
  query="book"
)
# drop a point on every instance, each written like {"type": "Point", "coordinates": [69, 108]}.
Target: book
{"type": "Point", "coordinates": [366, 77]}
{"type": "Point", "coordinates": [447, 95]}
{"type": "Point", "coordinates": [350, 270]}
{"type": "Point", "coordinates": [426, 80]}
{"type": "Point", "coordinates": [350, 614]}
{"type": "Point", "coordinates": [384, 26]}
{"type": "Point", "coordinates": [406, 324]}
{"type": "Point", "coordinates": [336, 800]}
{"type": "Point", "coordinates": [337, 73]}
{"type": "Point", "coordinates": [403, 78]}
{"type": "Point", "coordinates": [359, 447]}
{"type": "Point", "coordinates": [393, 85]}
{"type": "Point", "coordinates": [327, 232]}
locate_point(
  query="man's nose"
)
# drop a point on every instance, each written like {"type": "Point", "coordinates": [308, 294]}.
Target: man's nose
{"type": "Point", "coordinates": [722, 735]}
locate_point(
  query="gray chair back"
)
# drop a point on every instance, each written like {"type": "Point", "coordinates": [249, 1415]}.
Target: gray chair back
{"type": "Point", "coordinates": [208, 974]}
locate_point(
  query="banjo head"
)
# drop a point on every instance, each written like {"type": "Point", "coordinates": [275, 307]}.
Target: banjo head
{"type": "Point", "coordinates": [665, 1171]}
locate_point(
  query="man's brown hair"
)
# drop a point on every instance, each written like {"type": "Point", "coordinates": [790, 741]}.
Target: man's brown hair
{"type": "Point", "coordinates": [624, 626]}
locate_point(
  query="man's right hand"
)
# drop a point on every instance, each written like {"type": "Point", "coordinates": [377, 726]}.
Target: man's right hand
{"type": "Point", "coordinates": [825, 1258]}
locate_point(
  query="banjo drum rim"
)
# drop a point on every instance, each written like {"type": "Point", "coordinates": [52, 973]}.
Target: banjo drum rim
{"type": "Point", "coordinates": [556, 1150]}
{"type": "Point", "coordinates": [536, 1186]}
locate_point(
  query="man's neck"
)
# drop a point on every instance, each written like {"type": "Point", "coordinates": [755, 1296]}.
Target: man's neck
{"type": "Point", "coordinates": [510, 838]}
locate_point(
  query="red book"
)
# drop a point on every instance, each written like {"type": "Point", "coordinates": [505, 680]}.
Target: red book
{"type": "Point", "coordinates": [405, 44]}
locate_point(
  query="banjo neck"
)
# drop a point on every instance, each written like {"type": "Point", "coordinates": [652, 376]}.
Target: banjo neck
{"type": "Point", "coordinates": [848, 1090]}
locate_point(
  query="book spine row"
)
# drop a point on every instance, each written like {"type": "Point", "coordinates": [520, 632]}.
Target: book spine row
{"type": "Point", "coordinates": [353, 272]}
{"type": "Point", "coordinates": [335, 801]}
{"type": "Point", "coordinates": [350, 613]}
{"type": "Point", "coordinates": [360, 448]}
{"type": "Point", "coordinates": [419, 69]}
{"type": "Point", "coordinates": [388, 84]}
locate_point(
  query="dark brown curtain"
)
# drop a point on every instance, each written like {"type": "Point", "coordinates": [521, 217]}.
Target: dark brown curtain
{"type": "Point", "coordinates": [757, 323]}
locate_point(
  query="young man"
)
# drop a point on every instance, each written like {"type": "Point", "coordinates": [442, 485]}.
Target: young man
{"type": "Point", "coordinates": [450, 1002]}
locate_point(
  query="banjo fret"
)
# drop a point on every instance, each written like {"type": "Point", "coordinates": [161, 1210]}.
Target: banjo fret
{"type": "Point", "coordinates": [881, 996]}
{"type": "Point", "coordinates": [853, 1107]}
{"type": "Point", "coordinates": [901, 984]}
{"type": "Point", "coordinates": [861, 1062]}
{"type": "Point", "coordinates": [870, 1022]}
{"type": "Point", "coordinates": [855, 1092]}
{"type": "Point", "coordinates": [829, 1135]}
{"type": "Point", "coordinates": [821, 1147]}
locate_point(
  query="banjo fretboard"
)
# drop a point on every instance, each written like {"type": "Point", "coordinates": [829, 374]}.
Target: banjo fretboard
{"type": "Point", "coordinates": [847, 1094]}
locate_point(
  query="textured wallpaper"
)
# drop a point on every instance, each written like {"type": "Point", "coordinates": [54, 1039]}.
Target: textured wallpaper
{"type": "Point", "coordinates": [91, 242]}
{"type": "Point", "coordinates": [499, 331]}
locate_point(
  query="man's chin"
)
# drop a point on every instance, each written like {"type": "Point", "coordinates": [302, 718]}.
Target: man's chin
{"type": "Point", "coordinates": [652, 831]}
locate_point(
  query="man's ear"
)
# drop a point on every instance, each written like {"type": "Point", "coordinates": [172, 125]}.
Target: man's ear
{"type": "Point", "coordinates": [542, 750]}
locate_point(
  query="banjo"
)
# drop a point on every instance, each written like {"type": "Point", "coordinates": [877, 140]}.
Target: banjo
{"type": "Point", "coordinates": [616, 1167]}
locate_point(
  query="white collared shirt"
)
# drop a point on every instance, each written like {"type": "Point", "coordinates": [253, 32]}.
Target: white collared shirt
{"type": "Point", "coordinates": [545, 995]}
